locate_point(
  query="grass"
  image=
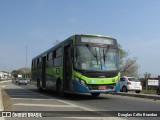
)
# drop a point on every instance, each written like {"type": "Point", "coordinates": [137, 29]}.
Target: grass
{"type": "Point", "coordinates": [150, 90]}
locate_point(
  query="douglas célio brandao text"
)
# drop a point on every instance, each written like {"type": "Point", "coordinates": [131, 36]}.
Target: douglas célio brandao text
{"type": "Point", "coordinates": [137, 114]}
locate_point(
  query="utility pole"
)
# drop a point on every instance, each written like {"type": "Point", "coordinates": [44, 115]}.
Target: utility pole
{"type": "Point", "coordinates": [26, 62]}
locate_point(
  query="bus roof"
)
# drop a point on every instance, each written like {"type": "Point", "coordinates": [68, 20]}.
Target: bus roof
{"type": "Point", "coordinates": [97, 35]}
{"type": "Point", "coordinates": [66, 40]}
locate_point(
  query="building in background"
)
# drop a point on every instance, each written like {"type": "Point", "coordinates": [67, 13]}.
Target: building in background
{"type": "Point", "coordinates": [4, 75]}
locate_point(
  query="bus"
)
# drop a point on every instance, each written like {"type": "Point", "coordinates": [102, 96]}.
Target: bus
{"type": "Point", "coordinates": [83, 63]}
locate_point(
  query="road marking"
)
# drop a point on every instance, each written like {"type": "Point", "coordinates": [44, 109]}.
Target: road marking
{"type": "Point", "coordinates": [43, 105]}
{"type": "Point", "coordinates": [3, 86]}
{"type": "Point", "coordinates": [30, 99]}
{"type": "Point", "coordinates": [157, 100]}
{"type": "Point", "coordinates": [5, 81]}
{"type": "Point", "coordinates": [84, 108]}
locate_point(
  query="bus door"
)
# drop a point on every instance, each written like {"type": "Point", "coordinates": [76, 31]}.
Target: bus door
{"type": "Point", "coordinates": [67, 67]}
{"type": "Point", "coordinates": [43, 80]}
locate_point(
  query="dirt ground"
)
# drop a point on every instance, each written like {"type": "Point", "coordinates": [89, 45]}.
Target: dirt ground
{"type": "Point", "coordinates": [6, 101]}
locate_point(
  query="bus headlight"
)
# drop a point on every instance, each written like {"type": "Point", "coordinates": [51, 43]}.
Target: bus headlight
{"type": "Point", "coordinates": [83, 82]}
{"type": "Point", "coordinates": [80, 81]}
{"type": "Point", "coordinates": [77, 79]}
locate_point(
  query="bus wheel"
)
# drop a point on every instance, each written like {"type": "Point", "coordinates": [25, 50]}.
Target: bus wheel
{"type": "Point", "coordinates": [95, 94]}
{"type": "Point", "coordinates": [39, 86]}
{"type": "Point", "coordinates": [59, 90]}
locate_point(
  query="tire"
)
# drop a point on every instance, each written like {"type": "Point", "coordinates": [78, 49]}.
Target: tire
{"type": "Point", "coordinates": [138, 91]}
{"type": "Point", "coordinates": [95, 94]}
{"type": "Point", "coordinates": [158, 91]}
{"type": "Point", "coordinates": [59, 88]}
{"type": "Point", "coordinates": [124, 89]}
{"type": "Point", "coordinates": [39, 86]}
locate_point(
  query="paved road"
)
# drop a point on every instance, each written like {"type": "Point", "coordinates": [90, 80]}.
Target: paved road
{"type": "Point", "coordinates": [27, 98]}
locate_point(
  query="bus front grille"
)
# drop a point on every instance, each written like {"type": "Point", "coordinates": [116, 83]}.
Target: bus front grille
{"type": "Point", "coordinates": [96, 87]}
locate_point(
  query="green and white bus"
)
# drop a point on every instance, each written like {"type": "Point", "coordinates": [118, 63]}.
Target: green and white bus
{"type": "Point", "coordinates": [80, 64]}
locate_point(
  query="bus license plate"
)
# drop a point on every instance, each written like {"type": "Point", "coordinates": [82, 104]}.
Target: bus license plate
{"type": "Point", "coordinates": [102, 87]}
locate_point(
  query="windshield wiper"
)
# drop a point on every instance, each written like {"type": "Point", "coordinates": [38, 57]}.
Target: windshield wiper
{"type": "Point", "coordinates": [104, 54]}
{"type": "Point", "coordinates": [92, 52]}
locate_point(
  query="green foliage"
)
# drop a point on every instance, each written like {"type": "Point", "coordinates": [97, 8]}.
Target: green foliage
{"type": "Point", "coordinates": [15, 73]}
{"type": "Point", "coordinates": [25, 72]}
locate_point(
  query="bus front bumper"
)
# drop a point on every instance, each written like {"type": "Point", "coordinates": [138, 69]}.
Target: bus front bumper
{"type": "Point", "coordinates": [80, 88]}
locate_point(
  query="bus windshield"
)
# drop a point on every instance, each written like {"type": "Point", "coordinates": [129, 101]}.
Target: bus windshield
{"type": "Point", "coordinates": [96, 58]}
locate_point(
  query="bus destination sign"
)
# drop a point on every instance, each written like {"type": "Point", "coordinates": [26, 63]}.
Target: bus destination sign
{"type": "Point", "coordinates": [97, 40]}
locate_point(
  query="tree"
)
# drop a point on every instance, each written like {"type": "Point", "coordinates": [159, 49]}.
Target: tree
{"type": "Point", "coordinates": [128, 66]}
{"type": "Point", "coordinates": [23, 71]}
{"type": "Point", "coordinates": [15, 73]}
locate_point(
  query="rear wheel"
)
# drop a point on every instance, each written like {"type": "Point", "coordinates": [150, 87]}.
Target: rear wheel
{"type": "Point", "coordinates": [59, 89]}
{"type": "Point", "coordinates": [95, 94]}
{"type": "Point", "coordinates": [39, 86]}
{"type": "Point", "coordinates": [124, 89]}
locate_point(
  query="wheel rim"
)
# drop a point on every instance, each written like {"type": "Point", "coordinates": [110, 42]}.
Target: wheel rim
{"type": "Point", "coordinates": [124, 89]}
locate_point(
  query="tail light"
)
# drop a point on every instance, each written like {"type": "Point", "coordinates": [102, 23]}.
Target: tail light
{"type": "Point", "coordinates": [128, 83]}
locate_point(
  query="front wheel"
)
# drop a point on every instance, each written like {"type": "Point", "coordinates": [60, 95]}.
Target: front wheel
{"type": "Point", "coordinates": [95, 94]}
{"type": "Point", "coordinates": [124, 89]}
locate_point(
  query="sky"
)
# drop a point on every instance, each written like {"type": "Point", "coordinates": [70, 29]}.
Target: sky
{"type": "Point", "coordinates": [29, 27]}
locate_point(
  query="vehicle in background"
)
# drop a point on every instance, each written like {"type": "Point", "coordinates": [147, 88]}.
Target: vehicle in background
{"type": "Point", "coordinates": [130, 84]}
{"type": "Point", "coordinates": [14, 80]}
{"type": "Point", "coordinates": [23, 81]}
{"type": "Point", "coordinates": [19, 76]}
{"type": "Point", "coordinates": [158, 90]}
{"type": "Point", "coordinates": [17, 79]}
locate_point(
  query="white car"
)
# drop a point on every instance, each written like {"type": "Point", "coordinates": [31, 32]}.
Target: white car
{"type": "Point", "coordinates": [22, 81]}
{"type": "Point", "coordinates": [130, 84]}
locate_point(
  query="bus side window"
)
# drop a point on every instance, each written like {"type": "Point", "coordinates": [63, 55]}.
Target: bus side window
{"type": "Point", "coordinates": [50, 59]}
{"type": "Point", "coordinates": [54, 56]}
{"type": "Point", "coordinates": [57, 57]}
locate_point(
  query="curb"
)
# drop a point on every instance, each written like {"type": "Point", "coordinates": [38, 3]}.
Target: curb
{"type": "Point", "coordinates": [1, 103]}
{"type": "Point", "coordinates": [155, 97]}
